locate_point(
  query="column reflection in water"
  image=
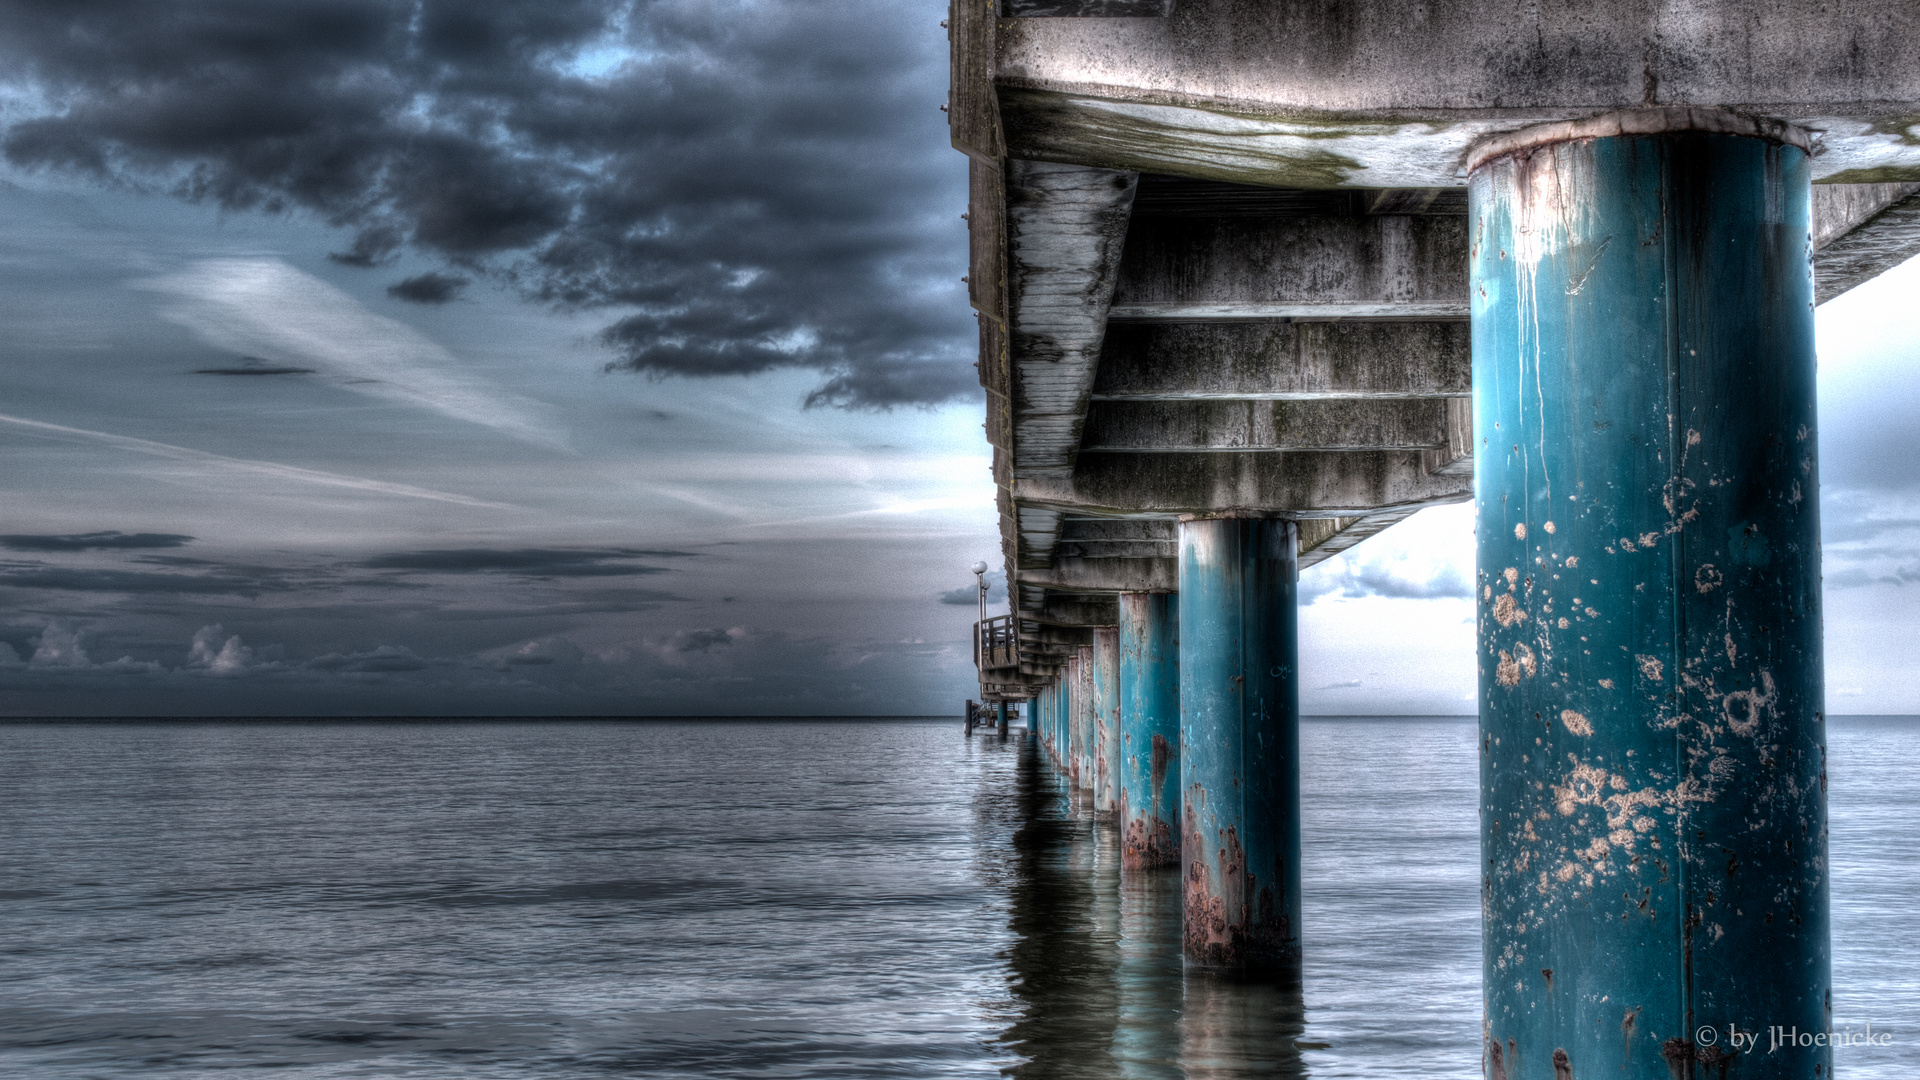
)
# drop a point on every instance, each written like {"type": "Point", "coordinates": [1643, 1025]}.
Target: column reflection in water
{"type": "Point", "coordinates": [1096, 964]}
{"type": "Point", "coordinates": [1239, 1027]}
{"type": "Point", "coordinates": [1062, 962]}
{"type": "Point", "coordinates": [1146, 1041]}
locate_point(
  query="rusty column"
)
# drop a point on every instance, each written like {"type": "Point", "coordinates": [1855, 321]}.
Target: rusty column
{"type": "Point", "coordinates": [1239, 745]}
{"type": "Point", "coordinates": [1083, 722]}
{"type": "Point", "coordinates": [1105, 702]}
{"type": "Point", "coordinates": [1070, 722]}
{"type": "Point", "coordinates": [1149, 730]}
{"type": "Point", "coordinates": [1653, 759]}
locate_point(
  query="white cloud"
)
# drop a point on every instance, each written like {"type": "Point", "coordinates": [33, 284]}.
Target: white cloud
{"type": "Point", "coordinates": [233, 464]}
{"type": "Point", "coordinates": [59, 647]}
{"type": "Point", "coordinates": [216, 657]}
{"type": "Point", "coordinates": [265, 308]}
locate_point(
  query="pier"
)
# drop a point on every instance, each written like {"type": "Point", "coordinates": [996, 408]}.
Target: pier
{"type": "Point", "coordinates": [1257, 281]}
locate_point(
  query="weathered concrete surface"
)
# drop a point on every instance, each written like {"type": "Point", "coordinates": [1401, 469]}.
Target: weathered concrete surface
{"type": "Point", "coordinates": [1652, 747]}
{"type": "Point", "coordinates": [1391, 96]}
{"type": "Point", "coordinates": [1397, 263]}
{"type": "Point", "coordinates": [1105, 575]}
{"type": "Point", "coordinates": [1324, 424]}
{"type": "Point", "coordinates": [1871, 228]}
{"type": "Point", "coordinates": [1304, 483]}
{"type": "Point", "coordinates": [1284, 360]}
{"type": "Point", "coordinates": [1065, 227]}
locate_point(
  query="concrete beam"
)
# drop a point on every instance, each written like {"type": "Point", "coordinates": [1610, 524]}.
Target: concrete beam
{"type": "Point", "coordinates": [1116, 549]}
{"type": "Point", "coordinates": [1284, 360]}
{"type": "Point", "coordinates": [1862, 231]}
{"type": "Point", "coordinates": [1384, 96]}
{"type": "Point", "coordinates": [1065, 228]}
{"type": "Point", "coordinates": [1296, 483]}
{"type": "Point", "coordinates": [1324, 424]}
{"type": "Point", "coordinates": [1074, 611]}
{"type": "Point", "coordinates": [1056, 636]}
{"type": "Point", "coordinates": [1155, 530]}
{"type": "Point", "coordinates": [1107, 575]}
{"type": "Point", "coordinates": [1386, 266]}
{"type": "Point", "coordinates": [1087, 9]}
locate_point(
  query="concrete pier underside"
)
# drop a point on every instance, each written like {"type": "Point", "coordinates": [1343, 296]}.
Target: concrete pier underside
{"type": "Point", "coordinates": [1224, 267]}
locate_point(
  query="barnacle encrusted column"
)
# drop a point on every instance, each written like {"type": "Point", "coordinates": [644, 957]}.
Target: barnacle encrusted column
{"type": "Point", "coordinates": [1106, 719]}
{"type": "Point", "coordinates": [1239, 744]}
{"type": "Point", "coordinates": [1149, 730]}
{"type": "Point", "coordinates": [1653, 785]}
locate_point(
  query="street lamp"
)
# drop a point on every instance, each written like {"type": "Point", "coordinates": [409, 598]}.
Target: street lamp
{"type": "Point", "coordinates": [980, 579]}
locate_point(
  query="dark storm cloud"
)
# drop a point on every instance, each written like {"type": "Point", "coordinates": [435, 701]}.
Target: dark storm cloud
{"type": "Point", "coordinates": [94, 541]}
{"type": "Point", "coordinates": [428, 288]}
{"type": "Point", "coordinates": [385, 659]}
{"type": "Point", "coordinates": [742, 186]}
{"type": "Point", "coordinates": [130, 581]}
{"type": "Point", "coordinates": [530, 562]}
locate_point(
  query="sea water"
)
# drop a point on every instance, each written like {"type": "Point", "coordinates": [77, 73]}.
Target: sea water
{"type": "Point", "coordinates": [833, 898]}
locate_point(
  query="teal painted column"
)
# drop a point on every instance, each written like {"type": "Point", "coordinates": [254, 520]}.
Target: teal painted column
{"type": "Point", "coordinates": [1105, 706]}
{"type": "Point", "coordinates": [1653, 776]}
{"type": "Point", "coordinates": [1239, 744]}
{"type": "Point", "coordinates": [1068, 677]}
{"type": "Point", "coordinates": [1149, 730]}
{"type": "Point", "coordinates": [1083, 723]}
{"type": "Point", "coordinates": [1043, 719]}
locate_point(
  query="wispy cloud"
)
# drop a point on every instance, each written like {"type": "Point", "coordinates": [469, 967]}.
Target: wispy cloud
{"type": "Point", "coordinates": [110, 540]}
{"type": "Point", "coordinates": [248, 465]}
{"type": "Point", "coordinates": [268, 309]}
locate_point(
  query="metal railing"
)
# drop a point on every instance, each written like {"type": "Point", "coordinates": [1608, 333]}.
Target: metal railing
{"type": "Point", "coordinates": [995, 644]}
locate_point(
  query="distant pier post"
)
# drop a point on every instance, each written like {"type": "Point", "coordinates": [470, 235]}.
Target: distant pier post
{"type": "Point", "coordinates": [1239, 744]}
{"type": "Point", "coordinates": [1149, 730]}
{"type": "Point", "coordinates": [1653, 763]}
{"type": "Point", "coordinates": [1106, 719]}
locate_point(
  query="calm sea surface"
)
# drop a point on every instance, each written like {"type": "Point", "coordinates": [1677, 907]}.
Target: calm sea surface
{"type": "Point", "coordinates": [759, 899]}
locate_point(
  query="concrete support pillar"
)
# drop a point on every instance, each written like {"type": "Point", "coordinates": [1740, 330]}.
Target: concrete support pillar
{"type": "Point", "coordinates": [1083, 721]}
{"type": "Point", "coordinates": [1239, 744]}
{"type": "Point", "coordinates": [1050, 720]}
{"type": "Point", "coordinates": [1149, 730]}
{"type": "Point", "coordinates": [1070, 722]}
{"type": "Point", "coordinates": [1004, 707]}
{"type": "Point", "coordinates": [1106, 720]}
{"type": "Point", "coordinates": [1653, 784]}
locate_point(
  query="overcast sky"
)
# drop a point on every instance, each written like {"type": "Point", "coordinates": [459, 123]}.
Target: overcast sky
{"type": "Point", "coordinates": [585, 357]}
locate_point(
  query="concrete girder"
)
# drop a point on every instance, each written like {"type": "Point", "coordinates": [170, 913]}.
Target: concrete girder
{"type": "Point", "coordinates": [1875, 227]}
{"type": "Point", "coordinates": [1074, 611]}
{"type": "Point", "coordinates": [1381, 266]}
{"type": "Point", "coordinates": [1115, 549]}
{"type": "Point", "coordinates": [1107, 575]}
{"type": "Point", "coordinates": [1323, 424]}
{"type": "Point", "coordinates": [1284, 360]}
{"type": "Point", "coordinates": [1062, 636]}
{"type": "Point", "coordinates": [1152, 530]}
{"type": "Point", "coordinates": [1376, 95]}
{"type": "Point", "coordinates": [1295, 483]}
{"type": "Point", "coordinates": [1065, 228]}
{"type": "Point", "coordinates": [1086, 9]}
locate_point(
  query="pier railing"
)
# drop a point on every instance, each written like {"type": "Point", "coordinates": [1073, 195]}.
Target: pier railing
{"type": "Point", "coordinates": [995, 643]}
